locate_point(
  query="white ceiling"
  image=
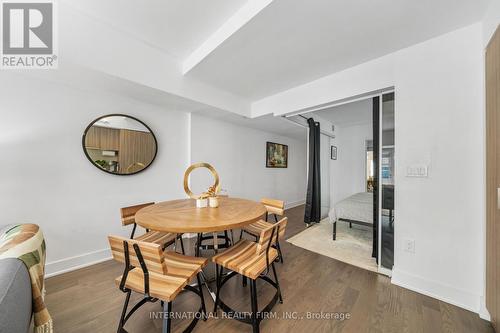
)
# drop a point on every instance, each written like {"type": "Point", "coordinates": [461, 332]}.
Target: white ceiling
{"type": "Point", "coordinates": [292, 42]}
{"type": "Point", "coordinates": [357, 113]}
{"type": "Point", "coordinates": [286, 43]}
{"type": "Point", "coordinates": [268, 123]}
{"type": "Point", "coordinates": [176, 26]}
{"type": "Point", "coordinates": [351, 114]}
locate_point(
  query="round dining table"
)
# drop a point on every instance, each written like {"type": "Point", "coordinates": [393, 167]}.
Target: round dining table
{"type": "Point", "coordinates": [182, 216]}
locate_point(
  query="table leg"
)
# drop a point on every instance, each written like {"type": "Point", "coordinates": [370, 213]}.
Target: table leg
{"type": "Point", "coordinates": [204, 279]}
{"type": "Point", "coordinates": [216, 243]}
{"type": "Point", "coordinates": [232, 237]}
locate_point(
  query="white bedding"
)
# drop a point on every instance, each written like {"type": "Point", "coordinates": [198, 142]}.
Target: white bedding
{"type": "Point", "coordinates": [358, 207]}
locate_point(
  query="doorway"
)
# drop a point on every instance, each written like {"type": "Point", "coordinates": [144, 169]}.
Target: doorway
{"type": "Point", "coordinates": [357, 181]}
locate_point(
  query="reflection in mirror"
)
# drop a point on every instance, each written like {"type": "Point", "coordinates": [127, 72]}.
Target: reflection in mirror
{"type": "Point", "coordinates": [387, 171]}
{"type": "Point", "coordinates": [119, 144]}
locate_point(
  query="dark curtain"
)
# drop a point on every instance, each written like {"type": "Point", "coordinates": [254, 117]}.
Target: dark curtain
{"type": "Point", "coordinates": [313, 199]}
{"type": "Point", "coordinates": [376, 146]}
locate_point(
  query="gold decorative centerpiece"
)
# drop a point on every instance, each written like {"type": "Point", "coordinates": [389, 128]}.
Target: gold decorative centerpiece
{"type": "Point", "coordinates": [137, 165]}
{"type": "Point", "coordinates": [208, 198]}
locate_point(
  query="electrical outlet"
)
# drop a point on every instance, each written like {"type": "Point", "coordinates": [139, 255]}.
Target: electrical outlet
{"type": "Point", "coordinates": [417, 170]}
{"type": "Point", "coordinates": [409, 245]}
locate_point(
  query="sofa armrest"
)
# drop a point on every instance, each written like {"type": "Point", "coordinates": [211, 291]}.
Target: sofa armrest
{"type": "Point", "coordinates": [15, 296]}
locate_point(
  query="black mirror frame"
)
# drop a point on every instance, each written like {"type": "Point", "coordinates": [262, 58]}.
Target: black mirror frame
{"type": "Point", "coordinates": [119, 115]}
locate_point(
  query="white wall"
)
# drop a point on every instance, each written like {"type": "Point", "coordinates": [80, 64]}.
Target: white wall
{"type": "Point", "coordinates": [348, 171]}
{"type": "Point", "coordinates": [439, 103]}
{"type": "Point", "coordinates": [46, 178]}
{"type": "Point", "coordinates": [324, 146]}
{"type": "Point", "coordinates": [239, 155]}
{"type": "Point", "coordinates": [439, 112]}
{"type": "Point", "coordinates": [491, 20]}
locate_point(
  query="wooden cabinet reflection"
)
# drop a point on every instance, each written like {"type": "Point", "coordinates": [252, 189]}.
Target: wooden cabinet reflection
{"type": "Point", "coordinates": [133, 150]}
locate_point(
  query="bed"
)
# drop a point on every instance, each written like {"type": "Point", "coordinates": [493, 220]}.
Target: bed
{"type": "Point", "coordinates": [356, 209]}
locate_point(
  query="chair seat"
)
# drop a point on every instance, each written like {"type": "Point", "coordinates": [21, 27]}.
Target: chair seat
{"type": "Point", "coordinates": [180, 270]}
{"type": "Point", "coordinates": [243, 258]}
{"type": "Point", "coordinates": [256, 228]}
{"type": "Point", "coordinates": [157, 237]}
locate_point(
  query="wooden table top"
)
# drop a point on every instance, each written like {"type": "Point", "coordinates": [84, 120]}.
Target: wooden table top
{"type": "Point", "coordinates": [179, 216]}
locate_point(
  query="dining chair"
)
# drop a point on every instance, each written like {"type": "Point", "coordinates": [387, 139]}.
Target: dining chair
{"type": "Point", "coordinates": [157, 275]}
{"type": "Point", "coordinates": [164, 239]}
{"type": "Point", "coordinates": [252, 260]}
{"type": "Point", "coordinates": [273, 207]}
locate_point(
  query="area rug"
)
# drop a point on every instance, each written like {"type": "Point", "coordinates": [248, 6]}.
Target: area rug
{"type": "Point", "coordinates": [352, 246]}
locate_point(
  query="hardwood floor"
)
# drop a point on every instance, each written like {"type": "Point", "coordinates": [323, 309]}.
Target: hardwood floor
{"type": "Point", "coordinates": [87, 300]}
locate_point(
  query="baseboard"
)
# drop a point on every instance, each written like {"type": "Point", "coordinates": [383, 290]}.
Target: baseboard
{"type": "Point", "coordinates": [84, 260]}
{"type": "Point", "coordinates": [385, 271]}
{"type": "Point", "coordinates": [434, 289]}
{"type": "Point", "coordinates": [72, 263]}
{"type": "Point", "coordinates": [293, 204]}
{"type": "Point", "coordinates": [483, 311]}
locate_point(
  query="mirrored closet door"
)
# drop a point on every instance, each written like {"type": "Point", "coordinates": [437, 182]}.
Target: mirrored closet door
{"type": "Point", "coordinates": [387, 188]}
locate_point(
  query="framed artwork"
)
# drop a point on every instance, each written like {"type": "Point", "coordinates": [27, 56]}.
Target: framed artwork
{"type": "Point", "coordinates": [333, 153]}
{"type": "Point", "coordinates": [276, 155]}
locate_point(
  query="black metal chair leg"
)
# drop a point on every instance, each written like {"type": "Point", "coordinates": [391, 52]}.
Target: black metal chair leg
{"type": "Point", "coordinates": [275, 218]}
{"type": "Point", "coordinates": [124, 312]}
{"type": "Point", "coordinates": [218, 277]}
{"type": "Point", "coordinates": [182, 244]}
{"type": "Point", "coordinates": [244, 281]}
{"type": "Point", "coordinates": [279, 252]}
{"type": "Point", "coordinates": [277, 282]}
{"type": "Point", "coordinates": [350, 225]}
{"type": "Point", "coordinates": [255, 309]}
{"type": "Point", "coordinates": [167, 320]}
{"type": "Point", "coordinates": [202, 298]}
{"type": "Point", "coordinates": [267, 216]}
{"type": "Point", "coordinates": [226, 239]}
{"type": "Point", "coordinates": [241, 234]}
{"type": "Point", "coordinates": [334, 230]}
{"type": "Point", "coordinates": [133, 231]}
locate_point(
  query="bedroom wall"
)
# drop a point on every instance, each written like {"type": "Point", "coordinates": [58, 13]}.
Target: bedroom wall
{"type": "Point", "coordinates": [348, 171]}
{"type": "Point", "coordinates": [239, 155]}
{"type": "Point", "coordinates": [46, 178]}
{"type": "Point", "coordinates": [325, 173]}
{"type": "Point", "coordinates": [439, 103]}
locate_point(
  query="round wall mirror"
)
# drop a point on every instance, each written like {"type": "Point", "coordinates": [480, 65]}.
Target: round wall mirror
{"type": "Point", "coordinates": [119, 144]}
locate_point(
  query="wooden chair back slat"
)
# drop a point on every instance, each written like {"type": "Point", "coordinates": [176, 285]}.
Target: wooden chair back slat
{"type": "Point", "coordinates": [274, 206]}
{"type": "Point", "coordinates": [128, 213]}
{"type": "Point", "coordinates": [266, 234]}
{"type": "Point", "coordinates": [151, 253]}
